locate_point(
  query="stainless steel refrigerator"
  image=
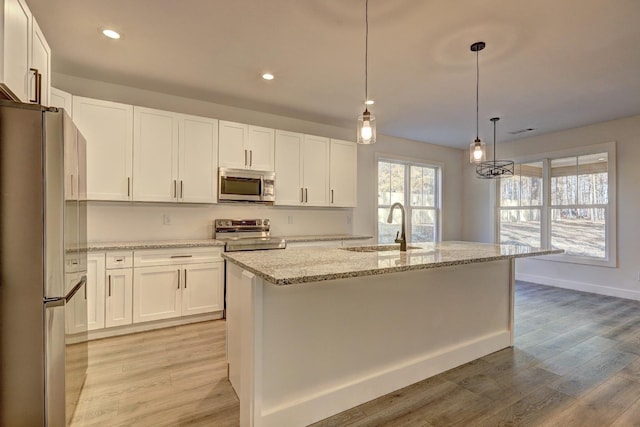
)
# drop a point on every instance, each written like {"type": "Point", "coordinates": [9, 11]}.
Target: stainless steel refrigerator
{"type": "Point", "coordinates": [43, 349]}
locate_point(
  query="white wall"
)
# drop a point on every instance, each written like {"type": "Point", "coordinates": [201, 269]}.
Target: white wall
{"type": "Point", "coordinates": [620, 281]}
{"type": "Point", "coordinates": [109, 221]}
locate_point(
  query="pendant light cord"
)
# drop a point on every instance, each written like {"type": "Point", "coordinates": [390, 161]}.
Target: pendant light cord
{"type": "Point", "coordinates": [494, 141]}
{"type": "Point", "coordinates": [477, 95]}
{"type": "Point", "coordinates": [366, 51]}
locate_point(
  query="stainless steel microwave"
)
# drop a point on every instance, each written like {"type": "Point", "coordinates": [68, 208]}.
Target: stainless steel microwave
{"type": "Point", "coordinates": [241, 185]}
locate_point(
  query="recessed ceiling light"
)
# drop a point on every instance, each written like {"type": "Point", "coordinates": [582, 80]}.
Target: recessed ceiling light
{"type": "Point", "coordinates": [267, 76]}
{"type": "Point", "coordinates": [111, 34]}
{"type": "Point", "coordinates": [369, 102]}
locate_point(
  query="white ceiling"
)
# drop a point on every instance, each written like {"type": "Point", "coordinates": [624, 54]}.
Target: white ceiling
{"type": "Point", "coordinates": [548, 64]}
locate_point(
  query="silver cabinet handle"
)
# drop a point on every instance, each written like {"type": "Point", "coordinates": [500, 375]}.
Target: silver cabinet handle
{"type": "Point", "coordinates": [301, 195]}
{"type": "Point", "coordinates": [39, 88]}
{"type": "Point", "coordinates": [119, 259]}
{"type": "Point", "coordinates": [181, 256]}
{"type": "Point", "coordinates": [306, 195]}
{"type": "Point", "coordinates": [332, 196]}
{"type": "Point", "coordinates": [178, 278]}
{"type": "Point", "coordinates": [185, 278]}
{"type": "Point", "coordinates": [245, 157]}
{"type": "Point", "coordinates": [71, 182]}
{"type": "Point", "coordinates": [128, 186]}
{"type": "Point", "coordinates": [109, 285]}
{"type": "Point", "coordinates": [251, 158]}
{"type": "Point", "coordinates": [175, 188]}
{"type": "Point", "coordinates": [181, 190]}
{"type": "Point", "coordinates": [35, 80]}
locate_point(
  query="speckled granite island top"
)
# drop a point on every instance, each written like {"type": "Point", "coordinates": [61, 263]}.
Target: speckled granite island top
{"type": "Point", "coordinates": [325, 238]}
{"type": "Point", "coordinates": [153, 244]}
{"type": "Point", "coordinates": [304, 265]}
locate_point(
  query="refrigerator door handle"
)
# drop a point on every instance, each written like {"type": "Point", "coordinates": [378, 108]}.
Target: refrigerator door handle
{"type": "Point", "coordinates": [59, 301]}
{"type": "Point", "coordinates": [76, 288]}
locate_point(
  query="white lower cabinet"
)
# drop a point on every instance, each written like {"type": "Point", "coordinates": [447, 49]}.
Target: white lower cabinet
{"type": "Point", "coordinates": [156, 293]}
{"type": "Point", "coordinates": [119, 290]}
{"type": "Point", "coordinates": [95, 290]}
{"type": "Point", "coordinates": [173, 283]}
{"type": "Point", "coordinates": [202, 291]}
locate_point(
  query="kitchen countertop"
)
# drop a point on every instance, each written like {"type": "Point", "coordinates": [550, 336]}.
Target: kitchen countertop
{"type": "Point", "coordinates": [153, 244]}
{"type": "Point", "coordinates": [304, 265]}
{"type": "Point", "coordinates": [324, 238]}
{"type": "Point", "coordinates": [201, 243]}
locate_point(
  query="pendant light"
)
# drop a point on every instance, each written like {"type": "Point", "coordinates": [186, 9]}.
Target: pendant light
{"type": "Point", "coordinates": [477, 149]}
{"type": "Point", "coordinates": [495, 169]}
{"type": "Point", "coordinates": [366, 131]}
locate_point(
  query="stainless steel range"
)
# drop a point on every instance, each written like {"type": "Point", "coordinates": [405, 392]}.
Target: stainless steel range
{"type": "Point", "coordinates": [246, 235]}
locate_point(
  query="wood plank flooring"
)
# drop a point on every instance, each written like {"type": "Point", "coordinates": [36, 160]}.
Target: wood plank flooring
{"type": "Point", "coordinates": [576, 362]}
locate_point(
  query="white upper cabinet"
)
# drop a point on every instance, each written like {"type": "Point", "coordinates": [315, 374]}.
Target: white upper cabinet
{"type": "Point", "coordinates": [175, 157]}
{"type": "Point", "coordinates": [155, 154]}
{"type": "Point", "coordinates": [288, 163]}
{"type": "Point", "coordinates": [302, 169]}
{"type": "Point", "coordinates": [40, 80]}
{"type": "Point", "coordinates": [61, 99]}
{"type": "Point", "coordinates": [343, 173]}
{"type": "Point", "coordinates": [25, 56]}
{"type": "Point", "coordinates": [246, 147]}
{"type": "Point", "coordinates": [315, 172]}
{"type": "Point", "coordinates": [198, 159]}
{"type": "Point", "coordinates": [108, 129]}
{"type": "Point", "coordinates": [261, 147]}
{"type": "Point", "coordinates": [16, 36]}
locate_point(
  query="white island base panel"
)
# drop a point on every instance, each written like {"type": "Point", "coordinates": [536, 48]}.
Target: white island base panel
{"type": "Point", "coordinates": [300, 353]}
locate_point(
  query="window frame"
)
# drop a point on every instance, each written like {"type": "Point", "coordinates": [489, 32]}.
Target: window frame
{"type": "Point", "coordinates": [408, 162]}
{"type": "Point", "coordinates": [611, 258]}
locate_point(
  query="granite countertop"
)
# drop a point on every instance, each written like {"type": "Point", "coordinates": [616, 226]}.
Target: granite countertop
{"type": "Point", "coordinates": [317, 264]}
{"type": "Point", "coordinates": [153, 244]}
{"type": "Point", "coordinates": [324, 238]}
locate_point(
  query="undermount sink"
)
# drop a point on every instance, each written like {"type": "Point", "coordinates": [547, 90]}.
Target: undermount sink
{"type": "Point", "coordinates": [378, 248]}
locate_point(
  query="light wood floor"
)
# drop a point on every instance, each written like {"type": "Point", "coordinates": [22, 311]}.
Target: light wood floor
{"type": "Point", "coordinates": [576, 362]}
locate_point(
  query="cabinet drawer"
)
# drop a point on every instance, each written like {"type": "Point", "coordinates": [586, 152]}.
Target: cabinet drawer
{"type": "Point", "coordinates": [120, 259]}
{"type": "Point", "coordinates": [151, 257]}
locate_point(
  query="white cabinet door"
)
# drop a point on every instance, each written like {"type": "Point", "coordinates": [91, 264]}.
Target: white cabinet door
{"type": "Point", "coordinates": [119, 299]}
{"type": "Point", "coordinates": [198, 160]}
{"type": "Point", "coordinates": [16, 35]}
{"type": "Point", "coordinates": [61, 99]}
{"type": "Point", "coordinates": [288, 168]}
{"type": "Point", "coordinates": [203, 288]}
{"type": "Point", "coordinates": [71, 168]}
{"type": "Point", "coordinates": [260, 146]}
{"type": "Point", "coordinates": [76, 310]}
{"type": "Point", "coordinates": [156, 293]}
{"type": "Point", "coordinates": [315, 170]}
{"type": "Point", "coordinates": [155, 155]}
{"type": "Point", "coordinates": [41, 61]}
{"type": "Point", "coordinates": [108, 129]}
{"type": "Point", "coordinates": [95, 290]}
{"type": "Point", "coordinates": [343, 174]}
{"type": "Point", "coordinates": [232, 152]}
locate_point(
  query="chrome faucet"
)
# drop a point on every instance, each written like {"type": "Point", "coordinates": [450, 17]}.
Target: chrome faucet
{"type": "Point", "coordinates": [402, 239]}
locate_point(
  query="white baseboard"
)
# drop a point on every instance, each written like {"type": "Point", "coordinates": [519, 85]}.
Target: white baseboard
{"type": "Point", "coordinates": [579, 286]}
{"type": "Point", "coordinates": [309, 409]}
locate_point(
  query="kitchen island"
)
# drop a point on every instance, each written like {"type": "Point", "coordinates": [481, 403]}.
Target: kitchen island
{"type": "Point", "coordinates": [313, 332]}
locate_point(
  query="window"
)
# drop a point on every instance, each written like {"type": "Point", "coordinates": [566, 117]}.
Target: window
{"type": "Point", "coordinates": [565, 201]}
{"type": "Point", "coordinates": [521, 206]}
{"type": "Point", "coordinates": [417, 187]}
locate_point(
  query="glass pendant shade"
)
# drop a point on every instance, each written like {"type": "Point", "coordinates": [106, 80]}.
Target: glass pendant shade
{"type": "Point", "coordinates": [366, 128]}
{"type": "Point", "coordinates": [477, 152]}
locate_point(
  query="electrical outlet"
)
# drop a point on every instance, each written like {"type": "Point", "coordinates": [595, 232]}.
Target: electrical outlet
{"type": "Point", "coordinates": [290, 219]}
{"type": "Point", "coordinates": [166, 219]}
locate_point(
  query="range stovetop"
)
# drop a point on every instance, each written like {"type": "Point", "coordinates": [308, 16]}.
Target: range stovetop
{"type": "Point", "coordinates": [247, 235]}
